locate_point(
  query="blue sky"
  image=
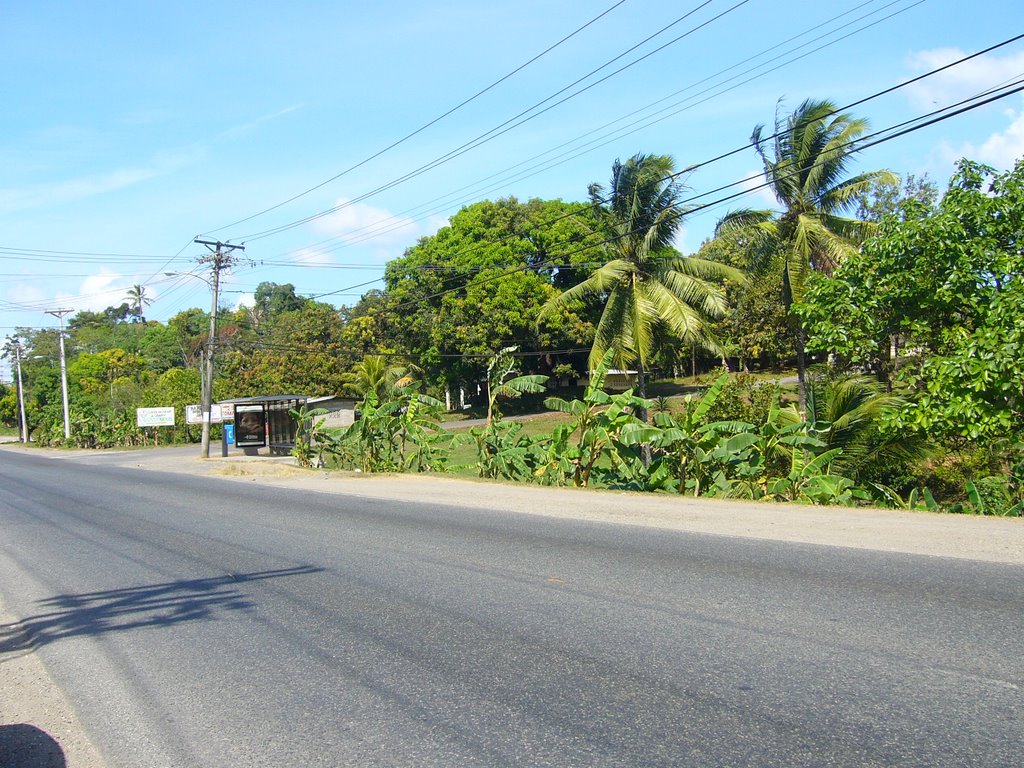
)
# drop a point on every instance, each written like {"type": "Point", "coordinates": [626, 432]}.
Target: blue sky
{"type": "Point", "coordinates": [130, 128]}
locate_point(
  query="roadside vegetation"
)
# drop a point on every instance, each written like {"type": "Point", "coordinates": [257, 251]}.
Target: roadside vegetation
{"type": "Point", "coordinates": [898, 306]}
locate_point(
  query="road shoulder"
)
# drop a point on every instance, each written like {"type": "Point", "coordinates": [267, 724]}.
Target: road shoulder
{"type": "Point", "coordinates": [38, 725]}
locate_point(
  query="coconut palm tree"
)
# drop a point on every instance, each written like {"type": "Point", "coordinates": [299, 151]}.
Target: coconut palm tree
{"type": "Point", "coordinates": [806, 165]}
{"type": "Point", "coordinates": [846, 413]}
{"type": "Point", "coordinates": [377, 374]}
{"type": "Point", "coordinates": [645, 284]}
{"type": "Point", "coordinates": [138, 301]}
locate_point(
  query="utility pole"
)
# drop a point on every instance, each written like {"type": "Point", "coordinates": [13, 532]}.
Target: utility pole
{"type": "Point", "coordinates": [59, 314]}
{"type": "Point", "coordinates": [220, 258]}
{"type": "Point", "coordinates": [15, 344]}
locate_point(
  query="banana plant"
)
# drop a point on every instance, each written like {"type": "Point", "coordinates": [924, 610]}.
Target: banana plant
{"type": "Point", "coordinates": [598, 421]}
{"type": "Point", "coordinates": [312, 440]}
{"type": "Point", "coordinates": [503, 451]}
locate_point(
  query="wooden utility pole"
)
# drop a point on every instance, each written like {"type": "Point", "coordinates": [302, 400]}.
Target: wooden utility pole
{"type": "Point", "coordinates": [220, 258]}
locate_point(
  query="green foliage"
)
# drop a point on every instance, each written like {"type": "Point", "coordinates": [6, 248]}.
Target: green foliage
{"type": "Point", "coordinates": [297, 355]}
{"type": "Point", "coordinates": [312, 440]}
{"type": "Point", "coordinates": [504, 451]}
{"type": "Point", "coordinates": [478, 284]}
{"type": "Point", "coordinates": [596, 431]}
{"type": "Point", "coordinates": [502, 385]}
{"type": "Point", "coordinates": [947, 287]}
{"type": "Point", "coordinates": [400, 434]}
{"type": "Point", "coordinates": [643, 283]}
{"type": "Point", "coordinates": [376, 373]}
{"type": "Point", "coordinates": [886, 197]}
{"type": "Point", "coordinates": [805, 161]}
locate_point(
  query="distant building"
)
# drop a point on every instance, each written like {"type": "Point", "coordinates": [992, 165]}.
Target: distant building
{"type": "Point", "coordinates": [341, 411]}
{"type": "Point", "coordinates": [615, 379]}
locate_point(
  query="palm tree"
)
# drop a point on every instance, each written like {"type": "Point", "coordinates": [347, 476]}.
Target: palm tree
{"type": "Point", "coordinates": [846, 413]}
{"type": "Point", "coordinates": [377, 374]}
{"type": "Point", "coordinates": [138, 301]}
{"type": "Point", "coordinates": [645, 284]}
{"type": "Point", "coordinates": [805, 164]}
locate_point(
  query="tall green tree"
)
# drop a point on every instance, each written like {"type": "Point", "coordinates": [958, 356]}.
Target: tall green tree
{"type": "Point", "coordinates": [478, 284]}
{"type": "Point", "coordinates": [806, 164]}
{"type": "Point", "coordinates": [947, 285]}
{"type": "Point", "coordinates": [643, 281]}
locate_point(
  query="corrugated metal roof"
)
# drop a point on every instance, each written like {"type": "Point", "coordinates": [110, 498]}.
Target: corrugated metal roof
{"type": "Point", "coordinates": [264, 399]}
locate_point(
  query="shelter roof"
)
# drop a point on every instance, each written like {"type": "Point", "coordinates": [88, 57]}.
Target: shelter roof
{"type": "Point", "coordinates": [264, 399]}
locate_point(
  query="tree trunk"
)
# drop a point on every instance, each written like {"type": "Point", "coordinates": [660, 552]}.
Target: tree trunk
{"type": "Point", "coordinates": [641, 413]}
{"type": "Point", "coordinates": [801, 368]}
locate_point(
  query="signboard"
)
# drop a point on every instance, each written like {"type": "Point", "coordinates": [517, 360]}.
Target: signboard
{"type": "Point", "coordinates": [229, 434]}
{"type": "Point", "coordinates": [155, 417]}
{"type": "Point", "coordinates": [227, 411]}
{"type": "Point", "coordinates": [250, 426]}
{"type": "Point", "coordinates": [194, 414]}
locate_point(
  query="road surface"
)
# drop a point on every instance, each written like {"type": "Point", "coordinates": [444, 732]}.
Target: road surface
{"type": "Point", "coordinates": [198, 621]}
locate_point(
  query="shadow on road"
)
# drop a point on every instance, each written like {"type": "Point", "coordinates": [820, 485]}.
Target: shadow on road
{"type": "Point", "coordinates": [25, 746]}
{"type": "Point", "coordinates": [118, 610]}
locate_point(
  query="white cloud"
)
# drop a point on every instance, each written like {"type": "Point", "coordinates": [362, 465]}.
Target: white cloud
{"type": "Point", "coordinates": [959, 82]}
{"type": "Point", "coordinates": [103, 289]}
{"type": "Point", "coordinates": [245, 300]}
{"type": "Point", "coordinates": [25, 294]}
{"type": "Point", "coordinates": [679, 242]}
{"type": "Point", "coordinates": [434, 223]}
{"type": "Point", "coordinates": [760, 194]}
{"type": "Point", "coordinates": [235, 131]}
{"type": "Point", "coordinates": [312, 257]}
{"type": "Point", "coordinates": [97, 292]}
{"type": "Point", "coordinates": [1001, 149]}
{"type": "Point", "coordinates": [355, 223]}
{"type": "Point", "coordinates": [59, 192]}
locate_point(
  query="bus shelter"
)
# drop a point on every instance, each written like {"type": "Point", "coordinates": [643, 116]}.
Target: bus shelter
{"type": "Point", "coordinates": [264, 422]}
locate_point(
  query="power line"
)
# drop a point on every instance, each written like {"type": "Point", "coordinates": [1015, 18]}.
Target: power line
{"type": "Point", "coordinates": [503, 127]}
{"type": "Point", "coordinates": [28, 307]}
{"type": "Point", "coordinates": [888, 134]}
{"type": "Point", "coordinates": [377, 228]}
{"type": "Point", "coordinates": [778, 134]}
{"type": "Point", "coordinates": [423, 127]}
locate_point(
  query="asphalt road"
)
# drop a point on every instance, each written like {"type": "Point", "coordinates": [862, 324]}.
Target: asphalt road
{"type": "Point", "coordinates": [196, 621]}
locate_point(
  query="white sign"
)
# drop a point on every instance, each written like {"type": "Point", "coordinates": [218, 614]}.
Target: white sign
{"type": "Point", "coordinates": [155, 417]}
{"type": "Point", "coordinates": [194, 414]}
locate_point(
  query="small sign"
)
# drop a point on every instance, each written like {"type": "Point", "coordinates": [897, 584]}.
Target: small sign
{"type": "Point", "coordinates": [155, 417]}
{"type": "Point", "coordinates": [227, 411]}
{"type": "Point", "coordinates": [194, 414]}
{"type": "Point", "coordinates": [229, 434]}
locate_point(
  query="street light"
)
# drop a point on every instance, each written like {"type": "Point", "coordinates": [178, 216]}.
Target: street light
{"type": "Point", "coordinates": [207, 394]}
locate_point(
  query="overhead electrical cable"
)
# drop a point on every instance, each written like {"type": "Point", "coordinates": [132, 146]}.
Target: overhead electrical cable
{"type": "Point", "coordinates": [879, 137]}
{"type": "Point", "coordinates": [382, 227]}
{"type": "Point", "coordinates": [500, 129]}
{"type": "Point", "coordinates": [778, 134]}
{"type": "Point", "coordinates": [426, 125]}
